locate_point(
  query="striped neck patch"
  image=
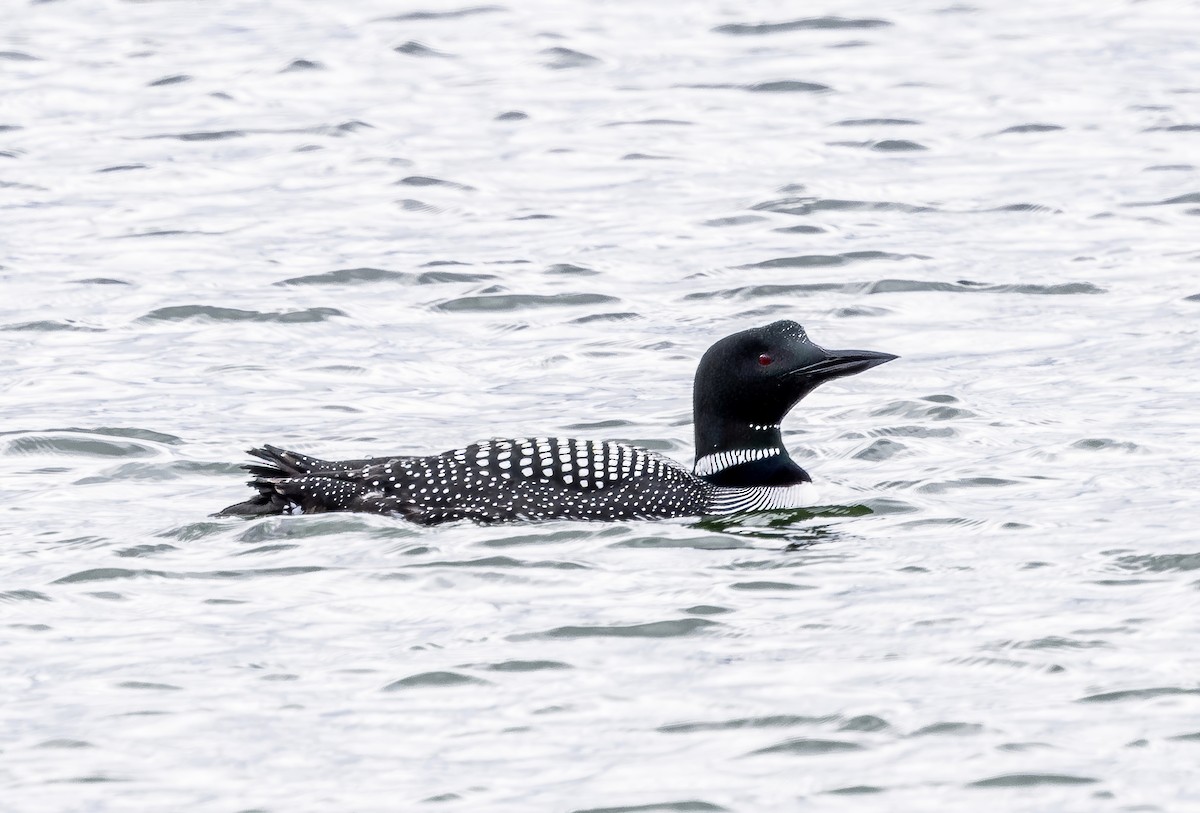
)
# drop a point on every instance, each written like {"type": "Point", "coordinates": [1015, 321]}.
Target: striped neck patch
{"type": "Point", "coordinates": [719, 461]}
{"type": "Point", "coordinates": [762, 498]}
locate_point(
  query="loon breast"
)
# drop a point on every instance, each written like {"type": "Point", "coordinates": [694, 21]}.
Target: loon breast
{"type": "Point", "coordinates": [733, 500]}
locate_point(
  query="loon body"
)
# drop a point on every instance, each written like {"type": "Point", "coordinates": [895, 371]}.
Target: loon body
{"type": "Point", "coordinates": [745, 385]}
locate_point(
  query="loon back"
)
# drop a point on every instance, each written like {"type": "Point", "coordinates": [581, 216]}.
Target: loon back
{"type": "Point", "coordinates": [491, 481]}
{"type": "Point", "coordinates": [745, 384]}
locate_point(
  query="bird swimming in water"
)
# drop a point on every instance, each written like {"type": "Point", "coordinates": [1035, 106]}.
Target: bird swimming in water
{"type": "Point", "coordinates": [745, 385]}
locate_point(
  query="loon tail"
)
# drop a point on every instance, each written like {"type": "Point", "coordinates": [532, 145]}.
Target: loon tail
{"type": "Point", "coordinates": [283, 463]}
{"type": "Point", "coordinates": [290, 482]}
{"type": "Point", "coordinates": [281, 466]}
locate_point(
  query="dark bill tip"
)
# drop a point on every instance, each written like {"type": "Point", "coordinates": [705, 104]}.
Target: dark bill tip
{"type": "Point", "coordinates": [838, 363]}
{"type": "Point", "coordinates": [866, 358]}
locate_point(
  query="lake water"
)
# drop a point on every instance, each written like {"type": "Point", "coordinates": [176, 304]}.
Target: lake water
{"type": "Point", "coordinates": [368, 227]}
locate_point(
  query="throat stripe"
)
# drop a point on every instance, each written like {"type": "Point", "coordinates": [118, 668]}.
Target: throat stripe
{"type": "Point", "coordinates": [719, 461]}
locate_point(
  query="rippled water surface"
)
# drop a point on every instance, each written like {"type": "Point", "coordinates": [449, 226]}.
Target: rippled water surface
{"type": "Point", "coordinates": [367, 227]}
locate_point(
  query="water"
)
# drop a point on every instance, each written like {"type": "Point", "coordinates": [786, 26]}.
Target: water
{"type": "Point", "coordinates": [354, 229]}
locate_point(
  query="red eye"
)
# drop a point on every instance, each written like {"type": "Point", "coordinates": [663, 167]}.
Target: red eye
{"type": "Point", "coordinates": [765, 359]}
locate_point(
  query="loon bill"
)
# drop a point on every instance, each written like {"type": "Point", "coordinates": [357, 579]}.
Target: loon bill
{"type": "Point", "coordinates": [745, 385]}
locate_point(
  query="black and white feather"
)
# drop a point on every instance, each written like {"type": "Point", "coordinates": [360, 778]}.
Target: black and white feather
{"type": "Point", "coordinates": [492, 481]}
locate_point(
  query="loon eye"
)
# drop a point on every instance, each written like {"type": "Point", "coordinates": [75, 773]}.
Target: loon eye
{"type": "Point", "coordinates": [765, 359]}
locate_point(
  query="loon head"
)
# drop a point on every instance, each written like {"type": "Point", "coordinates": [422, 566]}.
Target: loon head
{"type": "Point", "coordinates": [746, 383]}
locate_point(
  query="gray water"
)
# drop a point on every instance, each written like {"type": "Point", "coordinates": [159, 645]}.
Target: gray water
{"type": "Point", "coordinates": [364, 227]}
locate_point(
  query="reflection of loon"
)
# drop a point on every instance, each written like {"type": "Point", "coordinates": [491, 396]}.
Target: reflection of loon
{"type": "Point", "coordinates": [745, 384]}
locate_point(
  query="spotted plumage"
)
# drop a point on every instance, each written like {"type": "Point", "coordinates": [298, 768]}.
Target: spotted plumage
{"type": "Point", "coordinates": [742, 464]}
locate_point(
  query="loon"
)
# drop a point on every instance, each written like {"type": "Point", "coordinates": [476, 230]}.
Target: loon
{"type": "Point", "coordinates": [745, 385]}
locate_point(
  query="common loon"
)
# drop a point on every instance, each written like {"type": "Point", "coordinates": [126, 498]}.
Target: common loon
{"type": "Point", "coordinates": [745, 384]}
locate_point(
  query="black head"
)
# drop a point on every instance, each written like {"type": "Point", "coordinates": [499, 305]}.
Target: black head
{"type": "Point", "coordinates": [746, 383]}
